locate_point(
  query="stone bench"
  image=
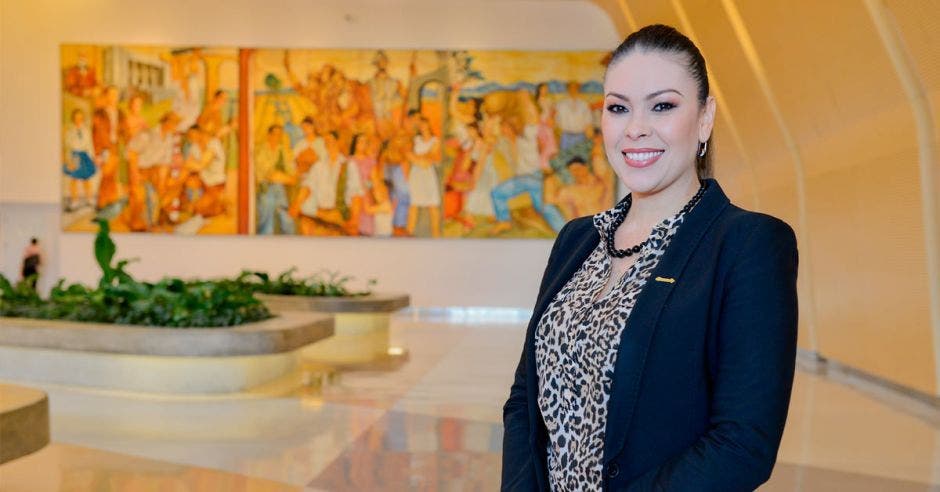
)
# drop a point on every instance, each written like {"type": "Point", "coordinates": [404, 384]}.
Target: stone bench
{"type": "Point", "coordinates": [157, 360]}
{"type": "Point", "coordinates": [24, 421]}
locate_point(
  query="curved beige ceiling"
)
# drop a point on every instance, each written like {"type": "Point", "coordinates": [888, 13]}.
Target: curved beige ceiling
{"type": "Point", "coordinates": [829, 123]}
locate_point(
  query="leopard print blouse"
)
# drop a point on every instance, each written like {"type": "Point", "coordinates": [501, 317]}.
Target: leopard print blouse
{"type": "Point", "coordinates": [576, 349]}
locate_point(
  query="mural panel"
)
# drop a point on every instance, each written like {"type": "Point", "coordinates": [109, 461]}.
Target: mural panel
{"type": "Point", "coordinates": [426, 143]}
{"type": "Point", "coordinates": [149, 138]}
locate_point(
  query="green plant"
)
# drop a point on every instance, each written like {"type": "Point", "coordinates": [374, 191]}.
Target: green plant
{"type": "Point", "coordinates": [171, 302]}
{"type": "Point", "coordinates": [324, 283]}
{"type": "Point", "coordinates": [104, 254]}
{"type": "Point", "coordinates": [22, 292]}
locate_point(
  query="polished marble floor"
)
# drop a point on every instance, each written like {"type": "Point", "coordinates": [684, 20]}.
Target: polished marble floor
{"type": "Point", "coordinates": [431, 422]}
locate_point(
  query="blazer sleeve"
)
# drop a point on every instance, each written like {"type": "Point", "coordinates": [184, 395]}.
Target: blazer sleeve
{"type": "Point", "coordinates": [518, 470]}
{"type": "Point", "coordinates": [752, 375]}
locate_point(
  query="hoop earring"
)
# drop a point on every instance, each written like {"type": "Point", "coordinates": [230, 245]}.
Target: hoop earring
{"type": "Point", "coordinates": [703, 149]}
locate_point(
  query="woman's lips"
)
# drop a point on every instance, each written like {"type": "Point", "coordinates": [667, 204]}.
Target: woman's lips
{"type": "Point", "coordinates": [641, 157]}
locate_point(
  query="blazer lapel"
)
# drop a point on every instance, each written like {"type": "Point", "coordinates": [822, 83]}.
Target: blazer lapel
{"type": "Point", "coordinates": [568, 265]}
{"type": "Point", "coordinates": [641, 325]}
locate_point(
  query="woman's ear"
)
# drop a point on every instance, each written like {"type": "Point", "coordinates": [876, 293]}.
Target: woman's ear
{"type": "Point", "coordinates": [707, 119]}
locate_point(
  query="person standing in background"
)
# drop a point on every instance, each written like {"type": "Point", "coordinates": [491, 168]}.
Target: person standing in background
{"type": "Point", "coordinates": [32, 261]}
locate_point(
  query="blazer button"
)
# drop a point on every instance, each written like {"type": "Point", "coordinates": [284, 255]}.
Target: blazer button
{"type": "Point", "coordinates": [613, 470]}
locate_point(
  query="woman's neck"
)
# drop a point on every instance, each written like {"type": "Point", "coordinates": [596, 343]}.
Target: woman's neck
{"type": "Point", "coordinates": [650, 209]}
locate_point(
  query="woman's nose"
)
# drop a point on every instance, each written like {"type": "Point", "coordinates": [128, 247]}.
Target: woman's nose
{"type": "Point", "coordinates": [636, 127]}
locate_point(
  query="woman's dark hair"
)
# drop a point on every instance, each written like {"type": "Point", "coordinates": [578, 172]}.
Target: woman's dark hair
{"type": "Point", "coordinates": [666, 39]}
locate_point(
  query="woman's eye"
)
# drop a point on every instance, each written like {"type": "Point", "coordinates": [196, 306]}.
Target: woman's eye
{"type": "Point", "coordinates": [663, 106]}
{"type": "Point", "coordinates": [617, 108]}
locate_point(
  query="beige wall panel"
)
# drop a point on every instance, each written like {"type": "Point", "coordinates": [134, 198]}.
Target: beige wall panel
{"type": "Point", "coordinates": [612, 9]}
{"type": "Point", "coordinates": [919, 24]}
{"type": "Point", "coordinates": [648, 12]}
{"type": "Point", "coordinates": [844, 105]}
{"type": "Point", "coordinates": [725, 154]}
{"type": "Point", "coordinates": [825, 75]}
{"type": "Point", "coordinates": [730, 169]}
{"type": "Point", "coordinates": [882, 136]}
{"type": "Point", "coordinates": [760, 134]}
{"type": "Point", "coordinates": [805, 340]}
{"type": "Point", "coordinates": [778, 187]}
{"type": "Point", "coordinates": [842, 102]}
{"type": "Point", "coordinates": [780, 201]}
{"type": "Point", "coordinates": [871, 283]}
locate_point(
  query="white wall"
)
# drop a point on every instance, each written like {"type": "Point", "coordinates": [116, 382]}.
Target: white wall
{"type": "Point", "coordinates": [435, 272]}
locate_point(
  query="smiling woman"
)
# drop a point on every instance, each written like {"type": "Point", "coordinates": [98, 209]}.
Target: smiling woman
{"type": "Point", "coordinates": [681, 383]}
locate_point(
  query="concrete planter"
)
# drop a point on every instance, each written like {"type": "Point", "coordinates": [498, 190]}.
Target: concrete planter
{"type": "Point", "coordinates": [362, 327]}
{"type": "Point", "coordinates": [373, 303]}
{"type": "Point", "coordinates": [157, 360]}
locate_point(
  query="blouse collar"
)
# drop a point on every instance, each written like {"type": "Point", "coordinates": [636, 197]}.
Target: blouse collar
{"type": "Point", "coordinates": [603, 221]}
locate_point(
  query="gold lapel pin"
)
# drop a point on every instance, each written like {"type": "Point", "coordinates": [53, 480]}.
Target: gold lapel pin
{"type": "Point", "coordinates": [666, 279]}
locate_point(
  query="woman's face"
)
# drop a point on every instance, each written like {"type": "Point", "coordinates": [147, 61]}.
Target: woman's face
{"type": "Point", "coordinates": [652, 121]}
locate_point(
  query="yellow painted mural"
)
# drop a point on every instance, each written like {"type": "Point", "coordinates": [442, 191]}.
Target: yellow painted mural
{"type": "Point", "coordinates": [149, 138]}
{"type": "Point", "coordinates": [403, 143]}
{"type": "Point", "coordinates": [378, 143]}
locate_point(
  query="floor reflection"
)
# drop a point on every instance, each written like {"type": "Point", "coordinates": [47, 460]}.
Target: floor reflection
{"type": "Point", "coordinates": [416, 452]}
{"type": "Point", "coordinates": [787, 478]}
{"type": "Point", "coordinates": [430, 422]}
{"type": "Point", "coordinates": [65, 468]}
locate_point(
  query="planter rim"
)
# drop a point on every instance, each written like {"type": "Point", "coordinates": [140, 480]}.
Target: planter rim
{"type": "Point", "coordinates": [282, 333]}
{"type": "Point", "coordinates": [380, 302]}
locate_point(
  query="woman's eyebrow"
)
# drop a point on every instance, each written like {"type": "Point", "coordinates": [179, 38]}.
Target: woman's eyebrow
{"type": "Point", "coordinates": [650, 96]}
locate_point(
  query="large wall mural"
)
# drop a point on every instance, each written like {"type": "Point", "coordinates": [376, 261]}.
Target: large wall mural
{"type": "Point", "coordinates": [378, 143]}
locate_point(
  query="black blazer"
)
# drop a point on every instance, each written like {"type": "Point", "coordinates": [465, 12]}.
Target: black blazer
{"type": "Point", "coordinates": [703, 375]}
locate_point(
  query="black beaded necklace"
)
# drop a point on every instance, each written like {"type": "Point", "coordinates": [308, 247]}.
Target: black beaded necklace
{"type": "Point", "coordinates": [618, 220]}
